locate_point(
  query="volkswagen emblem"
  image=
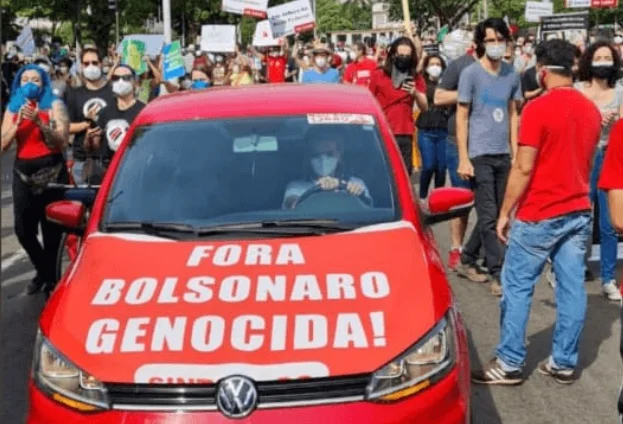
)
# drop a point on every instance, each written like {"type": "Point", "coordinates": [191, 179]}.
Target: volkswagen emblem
{"type": "Point", "coordinates": [236, 397]}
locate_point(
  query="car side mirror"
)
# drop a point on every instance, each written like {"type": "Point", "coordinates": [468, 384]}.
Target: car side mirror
{"type": "Point", "coordinates": [69, 214]}
{"type": "Point", "coordinates": [447, 203]}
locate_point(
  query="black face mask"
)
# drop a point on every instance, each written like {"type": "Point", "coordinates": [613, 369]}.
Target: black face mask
{"type": "Point", "coordinates": [602, 72]}
{"type": "Point", "coordinates": [403, 63]}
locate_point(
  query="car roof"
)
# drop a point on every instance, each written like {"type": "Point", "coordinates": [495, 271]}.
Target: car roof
{"type": "Point", "coordinates": [260, 100]}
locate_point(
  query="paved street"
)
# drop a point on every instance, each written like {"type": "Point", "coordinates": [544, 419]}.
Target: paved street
{"type": "Point", "coordinates": [539, 401]}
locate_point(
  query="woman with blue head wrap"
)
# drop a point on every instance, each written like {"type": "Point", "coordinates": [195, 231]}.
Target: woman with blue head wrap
{"type": "Point", "coordinates": [37, 123]}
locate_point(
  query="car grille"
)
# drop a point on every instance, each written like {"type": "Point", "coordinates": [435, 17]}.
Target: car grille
{"type": "Point", "coordinates": [272, 394]}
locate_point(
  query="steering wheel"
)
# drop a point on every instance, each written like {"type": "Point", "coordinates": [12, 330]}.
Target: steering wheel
{"type": "Point", "coordinates": [341, 188]}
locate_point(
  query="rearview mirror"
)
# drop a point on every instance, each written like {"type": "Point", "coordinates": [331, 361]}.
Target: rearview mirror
{"type": "Point", "coordinates": [447, 203]}
{"type": "Point", "coordinates": [69, 214]}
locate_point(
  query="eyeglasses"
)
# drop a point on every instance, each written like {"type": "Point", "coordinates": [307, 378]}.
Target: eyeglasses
{"type": "Point", "coordinates": [121, 77]}
{"type": "Point", "coordinates": [93, 62]}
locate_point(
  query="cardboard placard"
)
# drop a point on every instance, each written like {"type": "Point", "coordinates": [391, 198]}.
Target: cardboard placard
{"type": "Point", "coordinates": [254, 8]}
{"type": "Point", "coordinates": [218, 38]}
{"type": "Point", "coordinates": [291, 18]}
{"type": "Point", "coordinates": [263, 36]}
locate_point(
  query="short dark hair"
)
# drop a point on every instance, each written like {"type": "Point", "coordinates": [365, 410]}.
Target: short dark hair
{"type": "Point", "coordinates": [393, 50]}
{"type": "Point", "coordinates": [496, 24]}
{"type": "Point", "coordinates": [361, 47]}
{"type": "Point", "coordinates": [556, 53]}
{"type": "Point", "coordinates": [586, 62]}
{"type": "Point", "coordinates": [87, 50]}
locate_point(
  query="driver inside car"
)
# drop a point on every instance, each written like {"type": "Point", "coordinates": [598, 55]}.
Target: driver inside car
{"type": "Point", "coordinates": [325, 170]}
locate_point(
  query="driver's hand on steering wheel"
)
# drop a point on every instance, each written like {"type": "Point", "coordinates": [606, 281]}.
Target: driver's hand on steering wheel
{"type": "Point", "coordinates": [328, 183]}
{"type": "Point", "coordinates": [355, 189]}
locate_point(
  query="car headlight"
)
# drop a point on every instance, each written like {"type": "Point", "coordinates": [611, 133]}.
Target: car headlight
{"type": "Point", "coordinates": [64, 382]}
{"type": "Point", "coordinates": [421, 366]}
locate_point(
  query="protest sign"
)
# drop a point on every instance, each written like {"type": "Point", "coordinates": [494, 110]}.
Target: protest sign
{"type": "Point", "coordinates": [254, 8]}
{"type": "Point", "coordinates": [565, 25]}
{"type": "Point", "coordinates": [153, 42]}
{"type": "Point", "coordinates": [291, 18]}
{"type": "Point", "coordinates": [173, 61]}
{"type": "Point", "coordinates": [132, 52]}
{"type": "Point", "coordinates": [263, 36]}
{"type": "Point", "coordinates": [536, 9]}
{"type": "Point", "coordinates": [218, 38]}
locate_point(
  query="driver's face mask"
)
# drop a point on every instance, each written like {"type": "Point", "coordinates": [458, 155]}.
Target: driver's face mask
{"type": "Point", "coordinates": [324, 164]}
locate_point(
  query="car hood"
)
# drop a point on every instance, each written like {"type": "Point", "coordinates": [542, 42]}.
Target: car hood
{"type": "Point", "coordinates": [139, 309]}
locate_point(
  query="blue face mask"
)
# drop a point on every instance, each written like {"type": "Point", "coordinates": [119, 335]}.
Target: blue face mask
{"type": "Point", "coordinates": [198, 85]}
{"type": "Point", "coordinates": [31, 91]}
{"type": "Point", "coordinates": [324, 165]}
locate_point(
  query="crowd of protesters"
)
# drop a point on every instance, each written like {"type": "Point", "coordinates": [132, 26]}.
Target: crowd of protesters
{"type": "Point", "coordinates": [525, 125]}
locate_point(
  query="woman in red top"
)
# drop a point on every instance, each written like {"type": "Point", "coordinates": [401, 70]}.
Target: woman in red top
{"type": "Point", "coordinates": [396, 86]}
{"type": "Point", "coordinates": [37, 122]}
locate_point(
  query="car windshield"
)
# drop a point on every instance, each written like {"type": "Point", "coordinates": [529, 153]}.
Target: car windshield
{"type": "Point", "coordinates": [214, 173]}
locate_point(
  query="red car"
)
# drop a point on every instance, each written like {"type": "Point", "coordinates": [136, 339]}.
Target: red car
{"type": "Point", "coordinates": [255, 254]}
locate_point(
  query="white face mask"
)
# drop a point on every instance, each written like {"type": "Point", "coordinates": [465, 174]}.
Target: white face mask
{"type": "Point", "coordinates": [92, 73]}
{"type": "Point", "coordinates": [320, 61]}
{"type": "Point", "coordinates": [434, 71]}
{"type": "Point", "coordinates": [496, 52]}
{"type": "Point", "coordinates": [353, 55]}
{"type": "Point", "coordinates": [122, 88]}
{"type": "Point", "coordinates": [63, 69]}
{"type": "Point", "coordinates": [324, 165]}
{"type": "Point", "coordinates": [618, 40]}
{"type": "Point", "coordinates": [46, 68]}
{"type": "Point", "coordinates": [105, 70]}
{"type": "Point", "coordinates": [527, 49]}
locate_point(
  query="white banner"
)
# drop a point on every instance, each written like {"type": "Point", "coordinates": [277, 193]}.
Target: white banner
{"type": "Point", "coordinates": [536, 9]}
{"type": "Point", "coordinates": [255, 8]}
{"type": "Point", "coordinates": [26, 41]}
{"type": "Point", "coordinates": [291, 18]}
{"type": "Point", "coordinates": [218, 38]}
{"type": "Point", "coordinates": [263, 36]}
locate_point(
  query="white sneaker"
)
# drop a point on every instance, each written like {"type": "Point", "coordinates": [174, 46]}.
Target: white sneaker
{"type": "Point", "coordinates": [611, 291]}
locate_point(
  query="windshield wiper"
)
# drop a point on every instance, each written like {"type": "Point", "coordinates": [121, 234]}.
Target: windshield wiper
{"type": "Point", "coordinates": [285, 226]}
{"type": "Point", "coordinates": [151, 228]}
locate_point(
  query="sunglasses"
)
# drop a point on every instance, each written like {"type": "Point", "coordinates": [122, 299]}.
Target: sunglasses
{"type": "Point", "coordinates": [94, 63]}
{"type": "Point", "coordinates": [122, 77]}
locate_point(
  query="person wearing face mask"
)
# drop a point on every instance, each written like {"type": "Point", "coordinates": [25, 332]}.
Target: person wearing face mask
{"type": "Point", "coordinates": [598, 73]}
{"type": "Point", "coordinates": [274, 62]}
{"type": "Point", "coordinates": [487, 122]}
{"type": "Point", "coordinates": [547, 193]}
{"type": "Point", "coordinates": [432, 128]}
{"type": "Point", "coordinates": [84, 105]}
{"type": "Point", "coordinates": [324, 165]}
{"type": "Point", "coordinates": [62, 78]}
{"type": "Point", "coordinates": [44, 63]}
{"type": "Point", "coordinates": [321, 71]}
{"type": "Point", "coordinates": [200, 79]}
{"type": "Point", "coordinates": [397, 86]}
{"type": "Point", "coordinates": [358, 72]}
{"type": "Point", "coordinates": [36, 121]}
{"type": "Point", "coordinates": [116, 118]}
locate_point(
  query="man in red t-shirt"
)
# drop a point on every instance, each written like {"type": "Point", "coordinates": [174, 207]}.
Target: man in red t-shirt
{"type": "Point", "coordinates": [611, 181]}
{"type": "Point", "coordinates": [276, 63]}
{"type": "Point", "coordinates": [359, 71]}
{"type": "Point", "coordinates": [549, 185]}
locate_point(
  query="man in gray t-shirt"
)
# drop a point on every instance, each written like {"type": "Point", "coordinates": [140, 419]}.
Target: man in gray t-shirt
{"type": "Point", "coordinates": [489, 96]}
{"type": "Point", "coordinates": [487, 124]}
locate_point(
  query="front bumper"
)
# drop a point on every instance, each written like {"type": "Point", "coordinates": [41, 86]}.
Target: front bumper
{"type": "Point", "coordinates": [444, 403]}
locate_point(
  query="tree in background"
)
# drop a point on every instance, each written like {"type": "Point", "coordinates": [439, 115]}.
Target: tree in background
{"type": "Point", "coordinates": [449, 12]}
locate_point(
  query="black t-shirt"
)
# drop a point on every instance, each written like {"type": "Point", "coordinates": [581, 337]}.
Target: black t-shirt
{"type": "Point", "coordinates": [435, 117]}
{"type": "Point", "coordinates": [292, 66]}
{"type": "Point", "coordinates": [528, 80]}
{"type": "Point", "coordinates": [450, 82]}
{"type": "Point", "coordinates": [79, 101]}
{"type": "Point", "coordinates": [115, 124]}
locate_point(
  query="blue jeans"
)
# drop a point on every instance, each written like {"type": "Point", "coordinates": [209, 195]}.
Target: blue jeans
{"type": "Point", "coordinates": [562, 239]}
{"type": "Point", "coordinates": [432, 144]}
{"type": "Point", "coordinates": [452, 163]}
{"type": "Point", "coordinates": [77, 172]}
{"type": "Point", "coordinates": [608, 239]}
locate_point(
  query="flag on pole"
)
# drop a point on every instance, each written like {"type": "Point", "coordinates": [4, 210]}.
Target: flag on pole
{"type": "Point", "coordinates": [26, 41]}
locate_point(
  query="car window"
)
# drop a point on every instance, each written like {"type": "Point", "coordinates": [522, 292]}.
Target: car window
{"type": "Point", "coordinates": [217, 172]}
